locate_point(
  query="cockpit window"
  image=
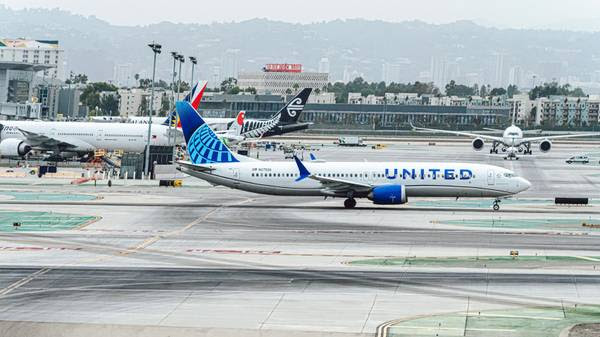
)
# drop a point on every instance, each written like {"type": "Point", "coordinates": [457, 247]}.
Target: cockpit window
{"type": "Point", "coordinates": [513, 133]}
{"type": "Point", "coordinates": [510, 175]}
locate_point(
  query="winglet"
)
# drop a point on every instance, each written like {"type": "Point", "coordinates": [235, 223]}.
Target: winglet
{"type": "Point", "coordinates": [303, 171]}
{"type": "Point", "coordinates": [312, 157]}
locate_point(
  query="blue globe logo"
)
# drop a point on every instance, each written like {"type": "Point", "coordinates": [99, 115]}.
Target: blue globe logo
{"type": "Point", "coordinates": [204, 148]}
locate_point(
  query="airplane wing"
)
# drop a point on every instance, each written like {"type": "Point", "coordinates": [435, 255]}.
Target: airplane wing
{"type": "Point", "coordinates": [573, 135]}
{"type": "Point", "coordinates": [336, 185]}
{"type": "Point", "coordinates": [458, 133]}
{"type": "Point", "coordinates": [333, 185]}
{"type": "Point", "coordinates": [40, 141]}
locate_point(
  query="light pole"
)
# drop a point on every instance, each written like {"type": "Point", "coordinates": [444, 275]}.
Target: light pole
{"type": "Point", "coordinates": [156, 50]}
{"type": "Point", "coordinates": [175, 56]}
{"type": "Point", "coordinates": [194, 62]}
{"type": "Point", "coordinates": [181, 59]}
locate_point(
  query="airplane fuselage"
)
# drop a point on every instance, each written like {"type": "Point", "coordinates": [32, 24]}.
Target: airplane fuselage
{"type": "Point", "coordinates": [419, 179]}
{"type": "Point", "coordinates": [88, 136]}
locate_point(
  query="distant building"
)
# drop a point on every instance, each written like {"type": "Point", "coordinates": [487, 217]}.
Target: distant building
{"type": "Point", "coordinates": [562, 111]}
{"type": "Point", "coordinates": [45, 52]}
{"type": "Point", "coordinates": [69, 104]}
{"type": "Point", "coordinates": [231, 64]}
{"type": "Point", "coordinates": [324, 65]}
{"type": "Point", "coordinates": [321, 98]}
{"type": "Point", "coordinates": [47, 95]}
{"type": "Point", "coordinates": [499, 71]}
{"type": "Point", "coordinates": [122, 75]}
{"type": "Point", "coordinates": [281, 81]}
{"type": "Point", "coordinates": [131, 101]}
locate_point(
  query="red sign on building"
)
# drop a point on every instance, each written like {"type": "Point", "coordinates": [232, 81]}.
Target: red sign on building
{"type": "Point", "coordinates": [283, 68]}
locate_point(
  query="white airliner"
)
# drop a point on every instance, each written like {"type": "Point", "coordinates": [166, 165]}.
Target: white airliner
{"type": "Point", "coordinates": [383, 183]}
{"type": "Point", "coordinates": [65, 139]}
{"type": "Point", "coordinates": [512, 141]}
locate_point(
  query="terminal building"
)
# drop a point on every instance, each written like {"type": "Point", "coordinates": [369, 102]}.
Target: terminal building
{"type": "Point", "coordinates": [361, 117]}
{"type": "Point", "coordinates": [281, 79]}
{"type": "Point", "coordinates": [30, 72]}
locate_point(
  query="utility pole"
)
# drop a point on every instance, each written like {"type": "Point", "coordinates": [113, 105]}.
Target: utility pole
{"type": "Point", "coordinates": [156, 50]}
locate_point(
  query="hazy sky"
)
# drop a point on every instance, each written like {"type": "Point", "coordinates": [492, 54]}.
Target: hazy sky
{"type": "Point", "coordinates": [579, 14]}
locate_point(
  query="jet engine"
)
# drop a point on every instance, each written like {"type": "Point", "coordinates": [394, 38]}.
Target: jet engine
{"type": "Point", "coordinates": [388, 195]}
{"type": "Point", "coordinates": [478, 144]}
{"type": "Point", "coordinates": [545, 145]}
{"type": "Point", "coordinates": [13, 147]}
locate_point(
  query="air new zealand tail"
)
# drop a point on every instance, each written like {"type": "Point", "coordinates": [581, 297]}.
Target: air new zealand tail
{"type": "Point", "coordinates": [284, 121]}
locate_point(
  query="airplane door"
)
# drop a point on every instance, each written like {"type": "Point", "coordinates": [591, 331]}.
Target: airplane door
{"type": "Point", "coordinates": [491, 178]}
{"type": "Point", "coordinates": [99, 135]}
{"type": "Point", "coordinates": [52, 132]}
{"type": "Point", "coordinates": [235, 174]}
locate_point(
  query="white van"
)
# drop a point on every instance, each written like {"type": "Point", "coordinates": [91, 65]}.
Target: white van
{"type": "Point", "coordinates": [578, 160]}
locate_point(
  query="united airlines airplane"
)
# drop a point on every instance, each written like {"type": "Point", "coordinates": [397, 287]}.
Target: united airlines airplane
{"type": "Point", "coordinates": [384, 183]}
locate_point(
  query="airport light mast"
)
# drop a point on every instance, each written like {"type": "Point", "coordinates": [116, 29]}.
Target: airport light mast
{"type": "Point", "coordinates": [156, 48]}
{"type": "Point", "coordinates": [181, 60]}
{"type": "Point", "coordinates": [175, 56]}
{"type": "Point", "coordinates": [194, 62]}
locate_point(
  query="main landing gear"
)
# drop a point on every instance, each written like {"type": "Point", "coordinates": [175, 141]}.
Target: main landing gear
{"type": "Point", "coordinates": [350, 203]}
{"type": "Point", "coordinates": [494, 148]}
{"type": "Point", "coordinates": [496, 204]}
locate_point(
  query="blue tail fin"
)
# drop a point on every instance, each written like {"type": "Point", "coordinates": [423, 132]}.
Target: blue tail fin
{"type": "Point", "coordinates": [204, 147]}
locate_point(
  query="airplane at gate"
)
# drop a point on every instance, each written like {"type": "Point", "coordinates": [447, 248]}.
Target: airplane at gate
{"type": "Point", "coordinates": [384, 183]}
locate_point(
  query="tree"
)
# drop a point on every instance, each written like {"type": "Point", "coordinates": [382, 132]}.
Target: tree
{"type": "Point", "coordinates": [143, 108]}
{"type": "Point", "coordinates": [317, 91]}
{"type": "Point", "coordinates": [483, 91]}
{"type": "Point", "coordinates": [91, 94]}
{"type": "Point", "coordinates": [296, 86]}
{"type": "Point", "coordinates": [498, 92]}
{"type": "Point", "coordinates": [512, 90]}
{"type": "Point", "coordinates": [251, 90]}
{"type": "Point", "coordinates": [549, 89]}
{"type": "Point", "coordinates": [110, 104]}
{"type": "Point", "coordinates": [165, 104]}
{"type": "Point", "coordinates": [288, 91]}
{"type": "Point", "coordinates": [228, 84]}
{"type": "Point", "coordinates": [460, 90]}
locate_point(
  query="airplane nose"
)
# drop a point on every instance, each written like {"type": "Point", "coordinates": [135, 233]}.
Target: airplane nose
{"type": "Point", "coordinates": [524, 184]}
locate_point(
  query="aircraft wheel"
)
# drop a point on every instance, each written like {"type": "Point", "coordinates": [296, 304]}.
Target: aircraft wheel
{"type": "Point", "coordinates": [350, 203]}
{"type": "Point", "coordinates": [496, 207]}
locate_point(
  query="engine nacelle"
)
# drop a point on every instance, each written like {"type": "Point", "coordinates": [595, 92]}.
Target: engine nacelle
{"type": "Point", "coordinates": [478, 144]}
{"type": "Point", "coordinates": [13, 147]}
{"type": "Point", "coordinates": [545, 145]}
{"type": "Point", "coordinates": [388, 195]}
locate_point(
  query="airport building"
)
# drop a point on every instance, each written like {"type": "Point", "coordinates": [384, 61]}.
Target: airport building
{"type": "Point", "coordinates": [282, 79]}
{"type": "Point", "coordinates": [366, 117]}
{"type": "Point", "coordinates": [45, 52]}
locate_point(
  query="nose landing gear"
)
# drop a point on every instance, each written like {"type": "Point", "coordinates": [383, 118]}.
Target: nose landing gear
{"type": "Point", "coordinates": [496, 204]}
{"type": "Point", "coordinates": [350, 203]}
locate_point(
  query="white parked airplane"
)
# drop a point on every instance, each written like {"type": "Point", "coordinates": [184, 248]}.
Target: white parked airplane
{"type": "Point", "coordinates": [65, 139]}
{"type": "Point", "coordinates": [383, 183]}
{"type": "Point", "coordinates": [512, 142]}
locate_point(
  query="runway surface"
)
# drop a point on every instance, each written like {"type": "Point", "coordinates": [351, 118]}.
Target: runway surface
{"type": "Point", "coordinates": [213, 261]}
